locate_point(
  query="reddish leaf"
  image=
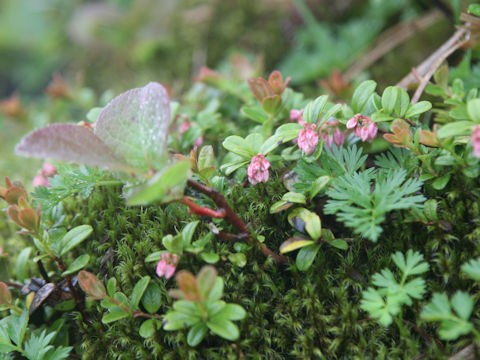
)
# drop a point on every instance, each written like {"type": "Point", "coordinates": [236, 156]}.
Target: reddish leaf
{"type": "Point", "coordinates": [91, 285]}
{"type": "Point", "coordinates": [5, 294]}
{"type": "Point", "coordinates": [188, 285]}
{"type": "Point", "coordinates": [276, 83]}
{"type": "Point", "coordinates": [13, 194]}
{"type": "Point", "coordinates": [29, 218]}
{"type": "Point", "coordinates": [13, 214]}
{"type": "Point", "coordinates": [260, 88]}
{"type": "Point", "coordinates": [70, 143]}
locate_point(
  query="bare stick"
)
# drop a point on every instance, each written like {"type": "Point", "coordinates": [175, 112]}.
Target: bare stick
{"type": "Point", "coordinates": [424, 67]}
{"type": "Point", "coordinates": [390, 39]}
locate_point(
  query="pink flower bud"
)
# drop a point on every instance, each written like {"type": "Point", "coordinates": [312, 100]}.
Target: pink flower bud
{"type": "Point", "coordinates": [49, 170]}
{"type": "Point", "coordinates": [167, 265]}
{"type": "Point", "coordinates": [199, 141]}
{"type": "Point", "coordinates": [296, 115]}
{"type": "Point", "coordinates": [40, 180]}
{"type": "Point", "coordinates": [308, 138]}
{"type": "Point", "coordinates": [338, 137]}
{"type": "Point", "coordinates": [353, 121]}
{"type": "Point", "coordinates": [183, 127]}
{"type": "Point", "coordinates": [476, 141]}
{"type": "Point", "coordinates": [328, 139]}
{"type": "Point", "coordinates": [258, 170]}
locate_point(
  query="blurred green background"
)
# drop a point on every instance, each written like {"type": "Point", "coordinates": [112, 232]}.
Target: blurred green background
{"type": "Point", "coordinates": [101, 48]}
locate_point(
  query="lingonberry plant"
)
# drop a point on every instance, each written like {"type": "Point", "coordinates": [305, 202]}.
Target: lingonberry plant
{"type": "Point", "coordinates": [240, 175]}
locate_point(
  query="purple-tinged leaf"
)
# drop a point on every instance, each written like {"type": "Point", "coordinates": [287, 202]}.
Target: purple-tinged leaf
{"type": "Point", "coordinates": [135, 126]}
{"type": "Point", "coordinates": [69, 143]}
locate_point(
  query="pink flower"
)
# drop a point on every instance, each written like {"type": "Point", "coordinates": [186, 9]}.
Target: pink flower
{"type": "Point", "coordinates": [167, 266]}
{"type": "Point", "coordinates": [40, 180]}
{"type": "Point", "coordinates": [330, 133]}
{"type": "Point", "coordinates": [198, 142]}
{"type": "Point", "coordinates": [296, 115]}
{"type": "Point", "coordinates": [308, 138]}
{"type": "Point", "coordinates": [476, 141]}
{"type": "Point", "coordinates": [338, 137]}
{"type": "Point", "coordinates": [258, 170]}
{"type": "Point", "coordinates": [49, 170]}
{"type": "Point", "coordinates": [363, 127]}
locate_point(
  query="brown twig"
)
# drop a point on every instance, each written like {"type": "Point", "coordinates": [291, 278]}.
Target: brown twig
{"type": "Point", "coordinates": [470, 352]}
{"type": "Point", "coordinates": [390, 39]}
{"type": "Point", "coordinates": [454, 42]}
{"type": "Point", "coordinates": [234, 219]}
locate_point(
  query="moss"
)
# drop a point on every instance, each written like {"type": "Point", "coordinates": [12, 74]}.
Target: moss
{"type": "Point", "coordinates": [291, 314]}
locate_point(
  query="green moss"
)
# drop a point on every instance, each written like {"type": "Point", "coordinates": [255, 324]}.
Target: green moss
{"type": "Point", "coordinates": [290, 314]}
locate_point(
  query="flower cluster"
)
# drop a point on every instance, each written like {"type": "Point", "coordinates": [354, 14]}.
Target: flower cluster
{"type": "Point", "coordinates": [258, 169]}
{"type": "Point", "coordinates": [363, 127]}
{"type": "Point", "coordinates": [47, 171]}
{"type": "Point", "coordinates": [308, 138]}
{"type": "Point", "coordinates": [331, 133]}
{"type": "Point", "coordinates": [167, 265]}
{"type": "Point", "coordinates": [476, 141]}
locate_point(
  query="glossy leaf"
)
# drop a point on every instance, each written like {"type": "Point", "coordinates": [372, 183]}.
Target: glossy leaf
{"type": "Point", "coordinates": [74, 237]}
{"type": "Point", "coordinates": [224, 328]}
{"type": "Point", "coordinates": [138, 291]}
{"type": "Point", "coordinates": [78, 264]}
{"type": "Point", "coordinates": [306, 256]}
{"type": "Point", "coordinates": [114, 314]}
{"type": "Point", "coordinates": [147, 329]}
{"type": "Point", "coordinates": [196, 334]}
{"type": "Point", "coordinates": [91, 285]}
{"type": "Point", "coordinates": [152, 298]}
{"type": "Point", "coordinates": [295, 243]}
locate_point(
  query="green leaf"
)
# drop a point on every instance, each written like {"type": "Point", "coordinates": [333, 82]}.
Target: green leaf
{"type": "Point", "coordinates": [152, 298]}
{"type": "Point", "coordinates": [403, 102]}
{"type": "Point", "coordinates": [306, 256]}
{"type": "Point", "coordinates": [287, 132]}
{"type": "Point", "coordinates": [188, 231]}
{"type": "Point", "coordinates": [441, 182]}
{"type": "Point", "coordinates": [418, 108]}
{"type": "Point", "coordinates": [147, 329]}
{"type": "Point", "coordinates": [160, 187]}
{"type": "Point", "coordinates": [270, 144]}
{"type": "Point", "coordinates": [271, 104]}
{"type": "Point", "coordinates": [454, 129]}
{"type": "Point", "coordinates": [138, 291]}
{"type": "Point", "coordinates": [135, 125]}
{"type": "Point", "coordinates": [280, 206]}
{"type": "Point", "coordinates": [339, 244]}
{"type": "Point", "coordinates": [173, 244]}
{"type": "Point", "coordinates": [206, 279]}
{"type": "Point", "coordinates": [313, 110]}
{"type": "Point", "coordinates": [412, 265]}
{"type": "Point", "coordinates": [295, 243]}
{"type": "Point", "coordinates": [206, 157]}
{"type": "Point", "coordinates": [239, 146]}
{"type": "Point", "coordinates": [451, 327]}
{"type": "Point", "coordinates": [294, 197]}
{"type": "Point", "coordinates": [318, 185]}
{"type": "Point", "coordinates": [16, 327]}
{"type": "Point", "coordinates": [224, 328]}
{"type": "Point", "coordinates": [305, 220]}
{"type": "Point", "coordinates": [472, 269]}
{"type": "Point", "coordinates": [210, 258]}
{"type": "Point", "coordinates": [22, 270]}
{"type": "Point", "coordinates": [196, 334]}
{"type": "Point", "coordinates": [114, 314]}
{"type": "Point", "coordinates": [313, 226]}
{"type": "Point", "coordinates": [155, 256]}
{"type": "Point", "coordinates": [111, 286]}
{"type": "Point", "coordinates": [474, 9]}
{"type": "Point", "coordinates": [216, 292]}
{"type": "Point", "coordinates": [232, 312]}
{"type": "Point", "coordinates": [74, 237]}
{"type": "Point", "coordinates": [238, 259]}
{"type": "Point", "coordinates": [78, 264]}
{"type": "Point", "coordinates": [362, 94]}
{"type": "Point", "coordinates": [255, 113]}
{"type": "Point", "coordinates": [473, 110]}
{"type": "Point", "coordinates": [462, 304]}
{"type": "Point", "coordinates": [389, 99]}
